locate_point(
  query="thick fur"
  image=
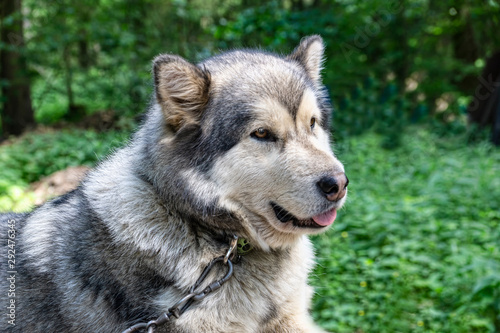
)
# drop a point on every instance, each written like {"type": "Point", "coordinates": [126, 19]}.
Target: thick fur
{"type": "Point", "coordinates": [134, 236]}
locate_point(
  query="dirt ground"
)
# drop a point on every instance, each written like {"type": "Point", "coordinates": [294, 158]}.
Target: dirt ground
{"type": "Point", "coordinates": [58, 183]}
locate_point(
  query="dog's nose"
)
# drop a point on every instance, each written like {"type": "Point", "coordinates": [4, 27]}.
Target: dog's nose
{"type": "Point", "coordinates": [334, 187]}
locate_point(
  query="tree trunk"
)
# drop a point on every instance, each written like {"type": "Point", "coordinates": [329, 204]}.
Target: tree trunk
{"type": "Point", "coordinates": [17, 112]}
{"type": "Point", "coordinates": [402, 63]}
{"type": "Point", "coordinates": [83, 50]}
{"type": "Point", "coordinates": [84, 53]}
{"type": "Point", "coordinates": [484, 109]}
{"type": "Point", "coordinates": [466, 48]}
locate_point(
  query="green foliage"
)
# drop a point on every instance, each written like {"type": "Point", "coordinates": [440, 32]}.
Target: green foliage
{"type": "Point", "coordinates": [416, 249]}
{"type": "Point", "coordinates": [97, 54]}
{"type": "Point", "coordinates": [371, 106]}
{"type": "Point", "coordinates": [268, 25]}
{"type": "Point", "coordinates": [124, 92]}
{"type": "Point", "coordinates": [39, 154]}
{"type": "Point", "coordinates": [414, 45]}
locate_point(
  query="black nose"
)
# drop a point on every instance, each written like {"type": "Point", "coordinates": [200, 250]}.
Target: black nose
{"type": "Point", "coordinates": [334, 187]}
{"type": "Point", "coordinates": [328, 185]}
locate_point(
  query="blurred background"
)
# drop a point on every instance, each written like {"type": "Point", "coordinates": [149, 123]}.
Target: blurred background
{"type": "Point", "coordinates": [415, 86]}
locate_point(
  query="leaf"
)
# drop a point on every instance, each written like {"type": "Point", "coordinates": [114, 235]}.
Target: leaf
{"type": "Point", "coordinates": [491, 281]}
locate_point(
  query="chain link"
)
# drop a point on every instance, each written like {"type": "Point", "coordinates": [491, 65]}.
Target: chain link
{"type": "Point", "coordinates": [194, 296]}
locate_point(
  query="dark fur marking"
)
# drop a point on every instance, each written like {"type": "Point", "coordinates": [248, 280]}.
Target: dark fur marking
{"type": "Point", "coordinates": [36, 293]}
{"type": "Point", "coordinates": [272, 313]}
{"type": "Point", "coordinates": [199, 149]}
{"type": "Point", "coordinates": [44, 301]}
{"type": "Point", "coordinates": [64, 198]}
{"type": "Point", "coordinates": [227, 129]}
{"type": "Point", "coordinates": [4, 217]}
{"type": "Point", "coordinates": [186, 140]}
{"type": "Point", "coordinates": [288, 93]}
{"type": "Point", "coordinates": [214, 237]}
{"type": "Point", "coordinates": [125, 298]}
{"type": "Point", "coordinates": [325, 106]}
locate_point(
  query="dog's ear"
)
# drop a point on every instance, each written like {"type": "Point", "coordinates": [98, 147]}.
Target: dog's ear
{"type": "Point", "coordinates": [309, 54]}
{"type": "Point", "coordinates": [181, 90]}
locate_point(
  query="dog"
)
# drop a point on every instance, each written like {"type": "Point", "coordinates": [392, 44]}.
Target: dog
{"type": "Point", "coordinates": [235, 147]}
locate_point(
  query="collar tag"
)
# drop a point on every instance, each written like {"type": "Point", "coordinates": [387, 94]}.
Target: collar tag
{"type": "Point", "coordinates": [243, 247]}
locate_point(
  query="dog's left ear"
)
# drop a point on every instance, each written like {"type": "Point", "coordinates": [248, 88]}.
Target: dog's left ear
{"type": "Point", "coordinates": [309, 54]}
{"type": "Point", "coordinates": [182, 90]}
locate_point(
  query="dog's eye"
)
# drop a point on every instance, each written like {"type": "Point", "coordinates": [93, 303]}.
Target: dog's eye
{"type": "Point", "coordinates": [313, 122]}
{"type": "Point", "coordinates": [261, 134]}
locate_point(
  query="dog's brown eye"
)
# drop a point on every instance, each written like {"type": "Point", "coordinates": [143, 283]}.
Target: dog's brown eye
{"type": "Point", "coordinates": [261, 133]}
{"type": "Point", "coordinates": [313, 122]}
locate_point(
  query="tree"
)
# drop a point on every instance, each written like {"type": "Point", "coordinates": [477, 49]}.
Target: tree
{"type": "Point", "coordinates": [17, 112]}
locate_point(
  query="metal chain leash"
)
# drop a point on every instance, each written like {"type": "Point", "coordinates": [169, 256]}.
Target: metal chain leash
{"type": "Point", "coordinates": [182, 305]}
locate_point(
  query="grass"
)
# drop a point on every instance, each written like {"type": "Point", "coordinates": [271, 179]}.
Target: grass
{"type": "Point", "coordinates": [415, 250]}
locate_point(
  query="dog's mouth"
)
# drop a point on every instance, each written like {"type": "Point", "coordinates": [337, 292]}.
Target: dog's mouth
{"type": "Point", "coordinates": [318, 221]}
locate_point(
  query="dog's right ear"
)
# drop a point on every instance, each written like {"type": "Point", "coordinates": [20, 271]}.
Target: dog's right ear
{"type": "Point", "coordinates": [181, 90]}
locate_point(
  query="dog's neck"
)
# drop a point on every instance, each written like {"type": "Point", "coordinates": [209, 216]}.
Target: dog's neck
{"type": "Point", "coordinates": [145, 222]}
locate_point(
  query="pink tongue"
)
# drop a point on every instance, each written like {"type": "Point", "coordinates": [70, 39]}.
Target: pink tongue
{"type": "Point", "coordinates": [326, 218]}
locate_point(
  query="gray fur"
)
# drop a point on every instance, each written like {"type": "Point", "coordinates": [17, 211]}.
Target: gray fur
{"type": "Point", "coordinates": [138, 231]}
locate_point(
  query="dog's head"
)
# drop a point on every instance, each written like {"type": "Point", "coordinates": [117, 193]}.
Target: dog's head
{"type": "Point", "coordinates": [247, 133]}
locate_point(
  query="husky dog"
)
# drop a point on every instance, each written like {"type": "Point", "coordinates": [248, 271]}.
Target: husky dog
{"type": "Point", "coordinates": [236, 145]}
